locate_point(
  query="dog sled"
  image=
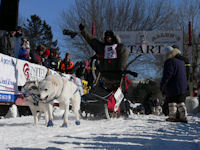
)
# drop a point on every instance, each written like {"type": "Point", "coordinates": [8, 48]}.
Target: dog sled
{"type": "Point", "coordinates": [107, 100]}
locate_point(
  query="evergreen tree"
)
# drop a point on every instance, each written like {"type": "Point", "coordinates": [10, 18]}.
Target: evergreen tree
{"type": "Point", "coordinates": [39, 32]}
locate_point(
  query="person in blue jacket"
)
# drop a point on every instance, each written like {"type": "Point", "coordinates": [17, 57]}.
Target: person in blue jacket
{"type": "Point", "coordinates": [174, 85]}
{"type": "Point", "coordinates": [23, 50]}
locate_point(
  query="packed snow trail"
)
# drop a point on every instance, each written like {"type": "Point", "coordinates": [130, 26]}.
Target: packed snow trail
{"type": "Point", "coordinates": [139, 132]}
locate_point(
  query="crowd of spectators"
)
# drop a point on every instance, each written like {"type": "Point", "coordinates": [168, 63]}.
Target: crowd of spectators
{"type": "Point", "coordinates": [13, 44]}
{"type": "Point", "coordinates": [51, 59]}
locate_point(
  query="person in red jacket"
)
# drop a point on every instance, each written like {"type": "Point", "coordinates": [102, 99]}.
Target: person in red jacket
{"type": "Point", "coordinates": [36, 56]}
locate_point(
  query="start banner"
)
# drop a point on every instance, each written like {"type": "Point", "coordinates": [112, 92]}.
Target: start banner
{"type": "Point", "coordinates": [150, 41]}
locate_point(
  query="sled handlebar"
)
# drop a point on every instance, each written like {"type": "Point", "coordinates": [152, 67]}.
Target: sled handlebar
{"type": "Point", "coordinates": [135, 74]}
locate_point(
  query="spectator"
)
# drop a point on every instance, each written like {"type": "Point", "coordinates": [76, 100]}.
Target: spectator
{"type": "Point", "coordinates": [46, 61]}
{"type": "Point", "coordinates": [51, 54]}
{"type": "Point", "coordinates": [28, 48]}
{"type": "Point", "coordinates": [18, 31]}
{"type": "Point", "coordinates": [67, 65]}
{"type": "Point", "coordinates": [7, 43]}
{"type": "Point", "coordinates": [54, 59]}
{"type": "Point", "coordinates": [174, 85]}
{"type": "Point", "coordinates": [82, 72]}
{"type": "Point", "coordinates": [59, 63]}
{"type": "Point", "coordinates": [187, 66]}
{"type": "Point", "coordinates": [24, 49]}
{"type": "Point", "coordinates": [17, 41]}
{"type": "Point", "coordinates": [36, 56]}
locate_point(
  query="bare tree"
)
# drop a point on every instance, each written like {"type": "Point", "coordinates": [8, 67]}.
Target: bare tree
{"type": "Point", "coordinates": [189, 11]}
{"type": "Point", "coordinates": [118, 15]}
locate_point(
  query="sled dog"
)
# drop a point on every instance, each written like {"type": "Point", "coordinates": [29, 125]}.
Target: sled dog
{"type": "Point", "coordinates": [64, 91]}
{"type": "Point", "coordinates": [30, 93]}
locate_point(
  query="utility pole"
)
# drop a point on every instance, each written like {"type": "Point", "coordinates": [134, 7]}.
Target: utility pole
{"type": "Point", "coordinates": [93, 29]}
{"type": "Point", "coordinates": [189, 49]}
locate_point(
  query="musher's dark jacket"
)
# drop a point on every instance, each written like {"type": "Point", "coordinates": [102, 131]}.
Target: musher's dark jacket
{"type": "Point", "coordinates": [110, 68]}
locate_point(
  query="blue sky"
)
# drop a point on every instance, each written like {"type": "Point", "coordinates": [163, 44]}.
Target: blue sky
{"type": "Point", "coordinates": [47, 10]}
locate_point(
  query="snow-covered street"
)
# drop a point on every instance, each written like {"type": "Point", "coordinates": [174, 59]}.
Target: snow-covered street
{"type": "Point", "coordinates": [138, 132]}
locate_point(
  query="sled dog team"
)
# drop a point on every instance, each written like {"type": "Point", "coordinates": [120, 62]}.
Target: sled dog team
{"type": "Point", "coordinates": [40, 97]}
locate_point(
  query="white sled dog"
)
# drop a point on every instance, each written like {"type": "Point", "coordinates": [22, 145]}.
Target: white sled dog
{"type": "Point", "coordinates": [63, 90]}
{"type": "Point", "coordinates": [30, 93]}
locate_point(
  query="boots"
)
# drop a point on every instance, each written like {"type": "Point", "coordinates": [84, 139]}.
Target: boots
{"type": "Point", "coordinates": [182, 112]}
{"type": "Point", "coordinates": [172, 112]}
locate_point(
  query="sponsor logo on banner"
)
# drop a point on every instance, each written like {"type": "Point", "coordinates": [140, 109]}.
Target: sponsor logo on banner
{"type": "Point", "coordinates": [37, 72]}
{"type": "Point", "coordinates": [26, 71]}
{"type": "Point", "coordinates": [30, 72]}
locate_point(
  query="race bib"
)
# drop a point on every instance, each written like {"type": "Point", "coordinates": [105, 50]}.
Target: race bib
{"type": "Point", "coordinates": [110, 51]}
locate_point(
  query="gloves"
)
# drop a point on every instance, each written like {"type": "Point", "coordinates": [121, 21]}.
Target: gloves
{"type": "Point", "coordinates": [70, 33]}
{"type": "Point", "coordinates": [135, 74]}
{"type": "Point", "coordinates": [81, 27]}
{"type": "Point", "coordinates": [67, 32]}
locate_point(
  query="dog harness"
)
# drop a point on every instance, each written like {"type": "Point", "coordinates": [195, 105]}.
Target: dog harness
{"type": "Point", "coordinates": [34, 97]}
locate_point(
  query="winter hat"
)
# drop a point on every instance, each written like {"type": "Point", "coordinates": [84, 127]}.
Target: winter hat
{"type": "Point", "coordinates": [109, 33]}
{"type": "Point", "coordinates": [83, 64]}
{"type": "Point", "coordinates": [47, 52]}
{"type": "Point", "coordinates": [171, 52]}
{"type": "Point", "coordinates": [168, 49]}
{"type": "Point", "coordinates": [41, 47]}
{"type": "Point", "coordinates": [57, 52]}
{"type": "Point", "coordinates": [175, 46]}
{"type": "Point", "coordinates": [67, 54]}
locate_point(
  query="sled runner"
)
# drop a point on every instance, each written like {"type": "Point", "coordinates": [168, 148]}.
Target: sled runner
{"type": "Point", "coordinates": [106, 100]}
{"type": "Point", "coordinates": [176, 120]}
